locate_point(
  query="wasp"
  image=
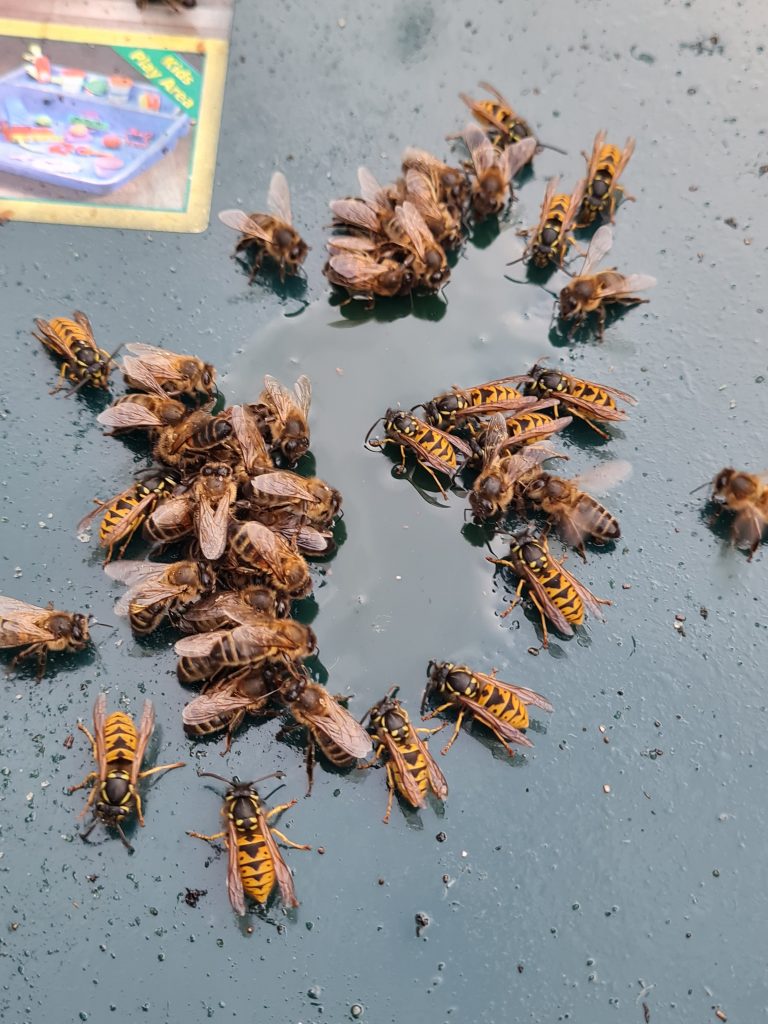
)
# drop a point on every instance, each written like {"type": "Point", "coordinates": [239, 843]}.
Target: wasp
{"type": "Point", "coordinates": [604, 168]}
{"type": "Point", "coordinates": [329, 725]}
{"type": "Point", "coordinates": [232, 608]}
{"type": "Point", "coordinates": [493, 171]}
{"type": "Point", "coordinates": [260, 639]}
{"type": "Point", "coordinates": [270, 234]}
{"type": "Point", "coordinates": [157, 591]}
{"type": "Point", "coordinates": [123, 514]}
{"type": "Point", "coordinates": [72, 341]}
{"type": "Point", "coordinates": [450, 183]}
{"type": "Point", "coordinates": [556, 594]}
{"type": "Point", "coordinates": [160, 372]}
{"type": "Point", "coordinates": [575, 513]}
{"type": "Point", "coordinates": [500, 707]}
{"type": "Point", "coordinates": [255, 549]}
{"type": "Point", "coordinates": [550, 240]}
{"type": "Point", "coordinates": [411, 770]}
{"type": "Point", "coordinates": [498, 117]}
{"type": "Point", "coordinates": [746, 495]}
{"type": "Point", "coordinates": [40, 631]}
{"type": "Point", "coordinates": [581, 398]}
{"type": "Point", "coordinates": [435, 450]}
{"type": "Point", "coordinates": [225, 704]}
{"type": "Point", "coordinates": [592, 290]}
{"type": "Point", "coordinates": [503, 471]}
{"type": "Point", "coordinates": [143, 412]}
{"type": "Point", "coordinates": [283, 416]}
{"type": "Point", "coordinates": [365, 275]}
{"type": "Point", "coordinates": [118, 750]}
{"type": "Point", "coordinates": [255, 862]}
{"type": "Point", "coordinates": [528, 427]}
{"type": "Point", "coordinates": [460, 406]}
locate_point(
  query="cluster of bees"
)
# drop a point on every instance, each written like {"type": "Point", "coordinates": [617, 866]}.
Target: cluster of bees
{"type": "Point", "coordinates": [498, 435]}
{"type": "Point", "coordinates": [397, 239]}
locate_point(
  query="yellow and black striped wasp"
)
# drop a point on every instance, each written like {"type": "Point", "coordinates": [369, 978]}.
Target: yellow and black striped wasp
{"type": "Point", "coordinates": [123, 514]}
{"type": "Point", "coordinates": [435, 450]}
{"type": "Point", "coordinates": [72, 341]}
{"type": "Point", "coordinates": [255, 864]}
{"type": "Point", "coordinates": [460, 407]}
{"type": "Point", "coordinates": [411, 769]}
{"type": "Point", "coordinates": [557, 595]}
{"type": "Point", "coordinates": [118, 750]}
{"type": "Point", "coordinates": [501, 707]}
{"type": "Point", "coordinates": [604, 168]}
{"type": "Point", "coordinates": [550, 240]}
{"type": "Point", "coordinates": [581, 398]}
{"type": "Point", "coordinates": [499, 119]}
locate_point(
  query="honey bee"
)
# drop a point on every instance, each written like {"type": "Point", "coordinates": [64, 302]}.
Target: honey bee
{"type": "Point", "coordinates": [504, 472]}
{"type": "Point", "coordinates": [143, 412]}
{"type": "Point", "coordinates": [123, 514]}
{"type": "Point", "coordinates": [318, 502]}
{"type": "Point", "coordinates": [581, 398]}
{"type": "Point", "coordinates": [254, 548]}
{"type": "Point", "coordinates": [365, 276]}
{"type": "Point", "coordinates": [450, 183]}
{"type": "Point", "coordinates": [225, 704]}
{"type": "Point", "coordinates": [550, 240]}
{"type": "Point", "coordinates": [499, 119]}
{"type": "Point", "coordinates": [501, 707]}
{"type": "Point", "coordinates": [745, 494]}
{"type": "Point", "coordinates": [270, 234]}
{"type": "Point", "coordinates": [72, 341]}
{"type": "Point", "coordinates": [232, 608]}
{"type": "Point", "coordinates": [283, 416]}
{"type": "Point", "coordinates": [556, 594]}
{"type": "Point", "coordinates": [574, 512]}
{"type": "Point", "coordinates": [156, 591]}
{"type": "Point", "coordinates": [591, 291]}
{"type": "Point", "coordinates": [329, 725]}
{"type": "Point", "coordinates": [411, 769]}
{"type": "Point", "coordinates": [118, 750]}
{"type": "Point", "coordinates": [172, 520]}
{"type": "Point", "coordinates": [435, 450]}
{"type": "Point", "coordinates": [443, 221]}
{"type": "Point", "coordinates": [604, 168]}
{"type": "Point", "coordinates": [491, 186]}
{"type": "Point", "coordinates": [160, 372]}
{"type": "Point", "coordinates": [40, 631]}
{"type": "Point", "coordinates": [262, 639]}
{"type": "Point", "coordinates": [198, 435]}
{"type": "Point", "coordinates": [250, 442]}
{"type": "Point", "coordinates": [213, 494]}
{"type": "Point", "coordinates": [255, 864]}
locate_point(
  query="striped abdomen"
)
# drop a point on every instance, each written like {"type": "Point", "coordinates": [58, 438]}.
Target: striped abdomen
{"type": "Point", "coordinates": [505, 706]}
{"type": "Point", "coordinates": [438, 447]}
{"type": "Point", "coordinates": [589, 392]}
{"type": "Point", "coordinates": [254, 861]}
{"type": "Point", "coordinates": [526, 421]}
{"type": "Point", "coordinates": [596, 519]}
{"type": "Point", "coordinates": [560, 592]}
{"type": "Point", "coordinates": [417, 768]}
{"type": "Point", "coordinates": [608, 162]}
{"type": "Point", "coordinates": [120, 740]}
{"type": "Point", "coordinates": [490, 394]}
{"type": "Point", "coordinates": [117, 512]}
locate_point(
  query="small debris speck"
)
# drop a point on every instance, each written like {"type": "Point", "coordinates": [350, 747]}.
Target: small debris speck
{"type": "Point", "coordinates": [606, 788]}
{"type": "Point", "coordinates": [422, 922]}
{"type": "Point", "coordinates": [441, 837]}
{"type": "Point", "coordinates": [356, 1010]}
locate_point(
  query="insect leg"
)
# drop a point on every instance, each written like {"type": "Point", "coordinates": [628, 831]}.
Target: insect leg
{"type": "Point", "coordinates": [600, 322]}
{"type": "Point", "coordinates": [431, 732]}
{"type": "Point", "coordinates": [208, 839]}
{"type": "Point", "coordinates": [545, 640]}
{"type": "Point", "coordinates": [278, 810]}
{"type": "Point", "coordinates": [289, 842]}
{"type": "Point", "coordinates": [590, 423]}
{"type": "Point", "coordinates": [161, 768]}
{"type": "Point", "coordinates": [124, 841]}
{"type": "Point", "coordinates": [85, 729]}
{"type": "Point", "coordinates": [87, 781]}
{"type": "Point", "coordinates": [443, 707]}
{"type": "Point", "coordinates": [234, 723]}
{"type": "Point", "coordinates": [391, 793]}
{"type": "Point", "coordinates": [91, 827]}
{"type": "Point", "coordinates": [452, 740]}
{"type": "Point", "coordinates": [309, 761]}
{"type": "Point", "coordinates": [432, 474]}
{"type": "Point", "coordinates": [399, 470]}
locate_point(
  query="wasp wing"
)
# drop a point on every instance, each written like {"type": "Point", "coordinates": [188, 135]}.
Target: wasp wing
{"type": "Point", "coordinates": [574, 206]}
{"type": "Point", "coordinates": [545, 204]}
{"type": "Point", "coordinates": [483, 115]}
{"type": "Point", "coordinates": [403, 779]}
{"type": "Point", "coordinates": [146, 728]}
{"type": "Point", "coordinates": [82, 320]}
{"type": "Point", "coordinates": [526, 696]}
{"type": "Point", "coordinates": [235, 889]}
{"type": "Point", "coordinates": [279, 198]}
{"type": "Point", "coordinates": [589, 600]}
{"type": "Point", "coordinates": [51, 339]}
{"type": "Point", "coordinates": [437, 780]}
{"type": "Point", "coordinates": [282, 872]}
{"type": "Point", "coordinates": [543, 600]}
{"type": "Point", "coordinates": [496, 725]}
{"type": "Point", "coordinates": [594, 158]}
{"type": "Point", "coordinates": [626, 153]}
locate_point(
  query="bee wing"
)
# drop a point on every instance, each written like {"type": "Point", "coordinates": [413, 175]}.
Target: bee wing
{"type": "Point", "coordinates": [626, 286]}
{"type": "Point", "coordinates": [495, 436]}
{"type": "Point", "coordinates": [82, 320]}
{"type": "Point", "coordinates": [239, 221]}
{"type": "Point", "coordinates": [279, 198]}
{"type": "Point", "coordinates": [281, 399]}
{"type": "Point", "coordinates": [481, 150]}
{"type": "Point", "coordinates": [269, 546]}
{"type": "Point", "coordinates": [283, 484]}
{"type": "Point", "coordinates": [263, 632]}
{"type": "Point", "coordinates": [18, 623]}
{"type": "Point", "coordinates": [599, 247]}
{"type": "Point", "coordinates": [601, 479]}
{"type": "Point", "coordinates": [200, 645]}
{"type": "Point", "coordinates": [526, 696]}
{"type": "Point", "coordinates": [497, 725]}
{"type": "Point", "coordinates": [128, 416]}
{"type": "Point", "coordinates": [420, 187]}
{"type": "Point", "coordinates": [250, 439]}
{"type": "Point", "coordinates": [371, 191]}
{"type": "Point", "coordinates": [303, 391]}
{"type": "Point", "coordinates": [421, 160]}
{"type": "Point", "coordinates": [339, 726]}
{"type": "Point", "coordinates": [351, 243]}
{"type": "Point", "coordinates": [412, 223]}
{"type": "Point", "coordinates": [437, 781]}
{"type": "Point", "coordinates": [404, 780]}
{"type": "Point", "coordinates": [146, 594]}
{"type": "Point", "coordinates": [131, 572]}
{"type": "Point", "coordinates": [358, 270]}
{"type": "Point", "coordinates": [626, 153]}
{"type": "Point", "coordinates": [594, 159]}
{"type": "Point", "coordinates": [235, 889]}
{"type": "Point", "coordinates": [282, 872]}
{"type": "Point", "coordinates": [143, 580]}
{"type": "Point", "coordinates": [172, 513]}
{"type": "Point", "coordinates": [518, 155]}
{"type": "Point", "coordinates": [356, 213]}
{"type": "Point", "coordinates": [314, 542]}
{"type": "Point", "coordinates": [212, 524]}
{"type": "Point", "coordinates": [146, 727]}
{"type": "Point", "coordinates": [99, 722]}
{"type": "Point", "coordinates": [218, 700]}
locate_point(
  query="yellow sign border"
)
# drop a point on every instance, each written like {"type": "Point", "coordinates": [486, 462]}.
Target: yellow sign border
{"type": "Point", "coordinates": [88, 214]}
